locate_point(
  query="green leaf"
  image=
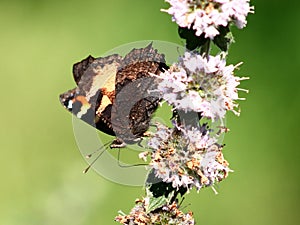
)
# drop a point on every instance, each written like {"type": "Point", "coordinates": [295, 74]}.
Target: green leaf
{"type": "Point", "coordinates": [157, 188]}
{"type": "Point", "coordinates": [192, 40]}
{"type": "Point", "coordinates": [224, 39]}
{"type": "Point", "coordinates": [155, 203]}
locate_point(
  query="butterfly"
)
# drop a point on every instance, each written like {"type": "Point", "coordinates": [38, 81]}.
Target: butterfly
{"type": "Point", "coordinates": [112, 93]}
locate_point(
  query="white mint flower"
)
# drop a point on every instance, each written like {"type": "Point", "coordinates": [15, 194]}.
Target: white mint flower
{"type": "Point", "coordinates": [205, 16]}
{"type": "Point", "coordinates": [199, 84]}
{"type": "Point", "coordinates": [187, 157]}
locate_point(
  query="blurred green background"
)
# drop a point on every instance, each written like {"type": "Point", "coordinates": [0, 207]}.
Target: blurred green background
{"type": "Point", "coordinates": [41, 179]}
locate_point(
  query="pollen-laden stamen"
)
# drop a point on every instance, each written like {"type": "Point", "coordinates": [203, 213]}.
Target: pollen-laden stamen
{"type": "Point", "coordinates": [194, 164]}
{"type": "Point", "coordinates": [220, 159]}
{"type": "Point", "coordinates": [157, 156]}
{"type": "Point", "coordinates": [209, 8]}
{"type": "Point", "coordinates": [203, 179]}
{"type": "Point", "coordinates": [171, 151]}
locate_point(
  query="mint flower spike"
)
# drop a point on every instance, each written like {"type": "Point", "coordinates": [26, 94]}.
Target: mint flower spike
{"type": "Point", "coordinates": [201, 84]}
{"type": "Point", "coordinates": [187, 157]}
{"type": "Point", "coordinates": [167, 214]}
{"type": "Point", "coordinates": [205, 16]}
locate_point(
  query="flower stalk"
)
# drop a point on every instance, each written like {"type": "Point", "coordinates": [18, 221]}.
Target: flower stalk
{"type": "Point", "coordinates": [201, 88]}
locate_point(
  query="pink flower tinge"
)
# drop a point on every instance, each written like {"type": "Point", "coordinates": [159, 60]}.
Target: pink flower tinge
{"type": "Point", "coordinates": [187, 157]}
{"type": "Point", "coordinates": [200, 84]}
{"type": "Point", "coordinates": [205, 16]}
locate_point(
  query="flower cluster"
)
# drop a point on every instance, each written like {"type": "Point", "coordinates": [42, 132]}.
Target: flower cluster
{"type": "Point", "coordinates": [187, 157]}
{"type": "Point", "coordinates": [200, 88]}
{"type": "Point", "coordinates": [205, 16]}
{"type": "Point", "coordinates": [201, 84]}
{"type": "Point", "coordinates": [167, 214]}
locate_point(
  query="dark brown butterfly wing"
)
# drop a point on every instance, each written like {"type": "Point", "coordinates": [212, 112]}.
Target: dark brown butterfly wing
{"type": "Point", "coordinates": [134, 103]}
{"type": "Point", "coordinates": [112, 93]}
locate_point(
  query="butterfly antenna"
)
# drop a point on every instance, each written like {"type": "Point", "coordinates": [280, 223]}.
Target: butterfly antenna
{"type": "Point", "coordinates": [97, 150]}
{"type": "Point", "coordinates": [98, 156]}
{"type": "Point", "coordinates": [127, 166]}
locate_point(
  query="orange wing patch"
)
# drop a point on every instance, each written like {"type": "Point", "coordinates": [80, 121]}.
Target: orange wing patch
{"type": "Point", "coordinates": [85, 105]}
